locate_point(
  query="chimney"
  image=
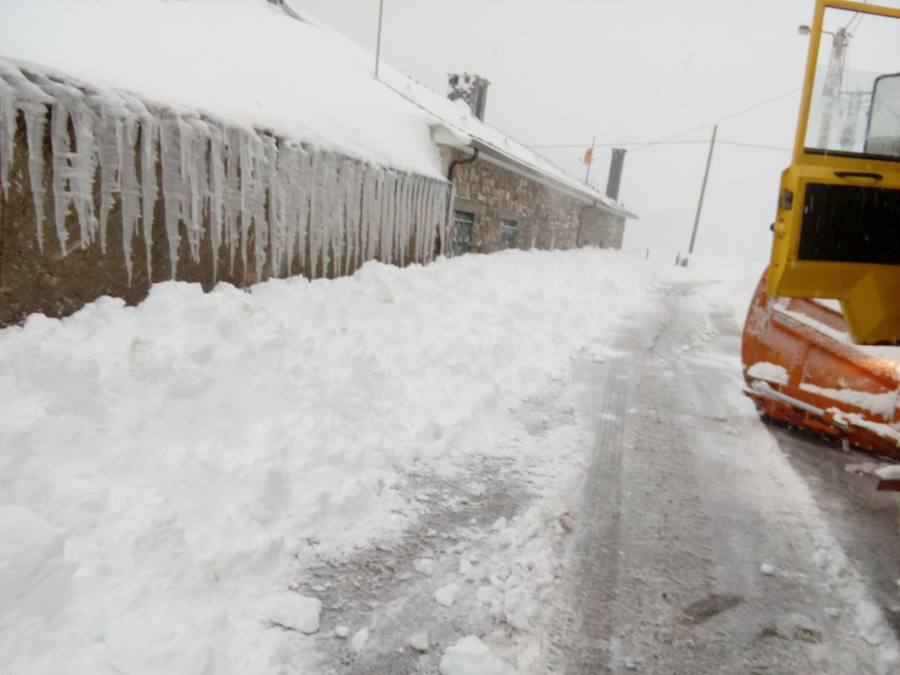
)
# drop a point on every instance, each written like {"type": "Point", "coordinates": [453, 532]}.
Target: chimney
{"type": "Point", "coordinates": [615, 173]}
{"type": "Point", "coordinates": [470, 88]}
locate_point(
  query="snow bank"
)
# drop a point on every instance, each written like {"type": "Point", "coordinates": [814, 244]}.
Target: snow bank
{"type": "Point", "coordinates": [163, 464]}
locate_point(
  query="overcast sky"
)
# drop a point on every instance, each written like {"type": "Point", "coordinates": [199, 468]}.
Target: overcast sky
{"type": "Point", "coordinates": [562, 71]}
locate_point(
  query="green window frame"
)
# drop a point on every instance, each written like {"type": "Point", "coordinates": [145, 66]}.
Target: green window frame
{"type": "Point", "coordinates": [509, 233]}
{"type": "Point", "coordinates": [463, 229]}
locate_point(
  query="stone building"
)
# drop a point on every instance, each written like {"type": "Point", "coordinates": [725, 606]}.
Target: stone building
{"type": "Point", "coordinates": [115, 175]}
{"type": "Point", "coordinates": [508, 196]}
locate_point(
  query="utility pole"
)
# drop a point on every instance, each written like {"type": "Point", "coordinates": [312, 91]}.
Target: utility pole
{"type": "Point", "coordinates": [833, 78]}
{"type": "Point", "coordinates": [378, 42]}
{"type": "Point", "coordinates": [712, 144]}
{"type": "Point", "coordinates": [589, 155]}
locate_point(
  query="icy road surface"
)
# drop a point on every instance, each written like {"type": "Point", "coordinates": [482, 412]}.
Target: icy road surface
{"type": "Point", "coordinates": [700, 549]}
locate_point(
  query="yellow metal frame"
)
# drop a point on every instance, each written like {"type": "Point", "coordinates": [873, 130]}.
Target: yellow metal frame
{"type": "Point", "coordinates": [869, 293]}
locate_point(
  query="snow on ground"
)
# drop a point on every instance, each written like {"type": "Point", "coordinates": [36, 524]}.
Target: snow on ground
{"type": "Point", "coordinates": [166, 469]}
{"type": "Point", "coordinates": [384, 470]}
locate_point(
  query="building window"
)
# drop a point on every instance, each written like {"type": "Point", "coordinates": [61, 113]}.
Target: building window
{"type": "Point", "coordinates": [463, 224]}
{"type": "Point", "coordinates": [509, 230]}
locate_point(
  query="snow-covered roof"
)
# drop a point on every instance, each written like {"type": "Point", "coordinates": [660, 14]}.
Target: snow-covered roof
{"type": "Point", "coordinates": [252, 64]}
{"type": "Point", "coordinates": [245, 62]}
{"type": "Point", "coordinates": [461, 122]}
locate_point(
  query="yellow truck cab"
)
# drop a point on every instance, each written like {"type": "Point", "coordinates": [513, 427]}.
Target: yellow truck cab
{"type": "Point", "coordinates": [837, 229]}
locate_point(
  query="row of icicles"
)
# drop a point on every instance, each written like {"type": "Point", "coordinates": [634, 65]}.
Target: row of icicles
{"type": "Point", "coordinates": [303, 209]}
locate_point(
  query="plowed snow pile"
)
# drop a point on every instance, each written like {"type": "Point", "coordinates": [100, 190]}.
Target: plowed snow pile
{"type": "Point", "coordinates": [160, 464]}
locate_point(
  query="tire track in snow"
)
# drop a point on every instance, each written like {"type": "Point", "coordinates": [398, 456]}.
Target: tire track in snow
{"type": "Point", "coordinates": [680, 509]}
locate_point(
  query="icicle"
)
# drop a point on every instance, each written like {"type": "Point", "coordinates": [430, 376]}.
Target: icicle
{"type": "Point", "coordinates": [278, 206]}
{"type": "Point", "coordinates": [292, 195]}
{"type": "Point", "coordinates": [35, 121]}
{"type": "Point", "coordinates": [429, 229]}
{"type": "Point", "coordinates": [365, 195]}
{"type": "Point", "coordinates": [376, 214]}
{"type": "Point", "coordinates": [419, 235]}
{"type": "Point", "coordinates": [61, 150]}
{"type": "Point", "coordinates": [374, 225]}
{"type": "Point", "coordinates": [84, 166]}
{"type": "Point", "coordinates": [267, 163]}
{"type": "Point", "coordinates": [131, 191]}
{"type": "Point", "coordinates": [201, 173]}
{"type": "Point", "coordinates": [390, 201]}
{"type": "Point", "coordinates": [400, 220]}
{"type": "Point", "coordinates": [354, 213]}
{"type": "Point", "coordinates": [217, 193]}
{"type": "Point", "coordinates": [303, 209]}
{"type": "Point", "coordinates": [232, 205]}
{"type": "Point", "coordinates": [315, 200]}
{"type": "Point", "coordinates": [7, 132]}
{"type": "Point", "coordinates": [246, 209]}
{"type": "Point", "coordinates": [110, 141]}
{"type": "Point", "coordinates": [172, 187]}
{"type": "Point", "coordinates": [192, 154]}
{"type": "Point", "coordinates": [385, 238]}
{"type": "Point", "coordinates": [358, 187]}
{"type": "Point", "coordinates": [339, 214]}
{"type": "Point", "coordinates": [149, 143]}
{"type": "Point", "coordinates": [435, 205]}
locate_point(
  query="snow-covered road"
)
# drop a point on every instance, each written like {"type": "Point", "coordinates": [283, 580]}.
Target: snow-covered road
{"type": "Point", "coordinates": [520, 463]}
{"type": "Point", "coordinates": [701, 550]}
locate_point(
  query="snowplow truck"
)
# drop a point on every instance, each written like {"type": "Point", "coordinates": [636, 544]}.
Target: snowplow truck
{"type": "Point", "coordinates": [802, 369]}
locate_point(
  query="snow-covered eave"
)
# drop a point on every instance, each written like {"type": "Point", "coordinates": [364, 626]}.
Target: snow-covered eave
{"type": "Point", "coordinates": [585, 195]}
{"type": "Point", "coordinates": [450, 135]}
{"type": "Point", "coordinates": [220, 182]}
{"type": "Point", "coordinates": [135, 103]}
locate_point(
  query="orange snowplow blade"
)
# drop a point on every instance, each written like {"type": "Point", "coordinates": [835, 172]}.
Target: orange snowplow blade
{"type": "Point", "coordinates": [802, 369]}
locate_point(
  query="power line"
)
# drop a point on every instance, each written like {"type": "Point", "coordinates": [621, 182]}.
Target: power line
{"type": "Point", "coordinates": [667, 140]}
{"type": "Point", "coordinates": [642, 144]}
{"type": "Point", "coordinates": [858, 17]}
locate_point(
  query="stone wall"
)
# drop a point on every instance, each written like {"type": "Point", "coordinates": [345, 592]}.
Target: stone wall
{"type": "Point", "coordinates": [601, 228]}
{"type": "Point", "coordinates": [547, 218]}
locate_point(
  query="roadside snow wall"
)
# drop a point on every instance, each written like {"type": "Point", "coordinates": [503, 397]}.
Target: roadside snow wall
{"type": "Point", "coordinates": [104, 194]}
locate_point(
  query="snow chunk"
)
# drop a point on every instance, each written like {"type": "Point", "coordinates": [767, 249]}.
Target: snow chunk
{"type": "Point", "coordinates": [342, 631]}
{"type": "Point", "coordinates": [520, 608]}
{"type": "Point", "coordinates": [360, 639]}
{"type": "Point", "coordinates": [295, 611]}
{"type": "Point", "coordinates": [771, 372]}
{"type": "Point", "coordinates": [879, 404]}
{"type": "Point", "coordinates": [891, 472]}
{"type": "Point", "coordinates": [419, 641]}
{"type": "Point", "coordinates": [425, 566]}
{"type": "Point", "coordinates": [767, 569]}
{"type": "Point", "coordinates": [446, 595]}
{"type": "Point", "coordinates": [470, 656]}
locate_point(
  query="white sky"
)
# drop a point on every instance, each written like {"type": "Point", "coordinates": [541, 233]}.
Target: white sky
{"type": "Point", "coordinates": [562, 71]}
